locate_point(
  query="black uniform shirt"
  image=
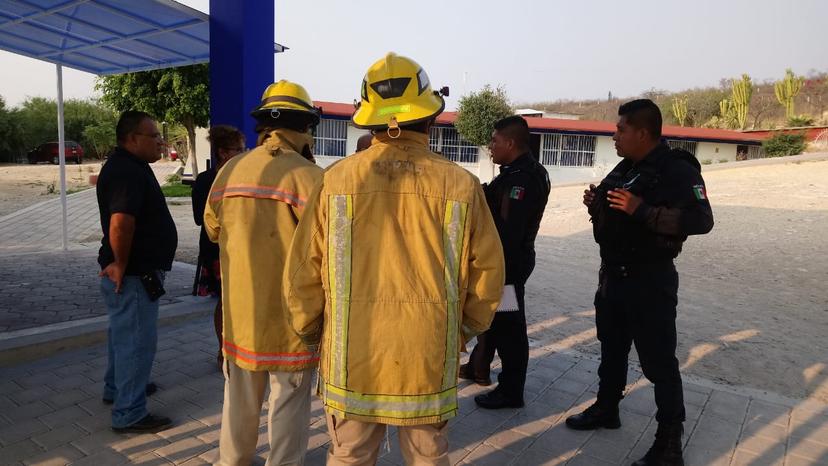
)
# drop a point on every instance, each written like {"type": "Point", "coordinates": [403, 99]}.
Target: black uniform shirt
{"type": "Point", "coordinates": [674, 206]}
{"type": "Point", "coordinates": [128, 185]}
{"type": "Point", "coordinates": [517, 198]}
{"type": "Point", "coordinates": [208, 251]}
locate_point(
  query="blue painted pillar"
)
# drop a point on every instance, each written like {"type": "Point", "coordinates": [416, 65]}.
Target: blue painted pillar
{"type": "Point", "coordinates": [241, 60]}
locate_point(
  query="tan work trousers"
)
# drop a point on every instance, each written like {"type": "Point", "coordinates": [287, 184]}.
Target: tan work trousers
{"type": "Point", "coordinates": [355, 443]}
{"type": "Point", "coordinates": [288, 416]}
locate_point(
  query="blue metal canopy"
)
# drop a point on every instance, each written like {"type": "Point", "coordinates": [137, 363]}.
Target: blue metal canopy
{"type": "Point", "coordinates": [107, 36]}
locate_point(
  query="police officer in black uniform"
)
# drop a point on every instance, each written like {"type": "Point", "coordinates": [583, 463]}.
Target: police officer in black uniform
{"type": "Point", "coordinates": [641, 213]}
{"type": "Point", "coordinates": [517, 198]}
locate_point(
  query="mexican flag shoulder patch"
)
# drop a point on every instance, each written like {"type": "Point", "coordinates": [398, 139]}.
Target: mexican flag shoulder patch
{"type": "Point", "coordinates": [700, 192]}
{"type": "Point", "coordinates": [517, 193]}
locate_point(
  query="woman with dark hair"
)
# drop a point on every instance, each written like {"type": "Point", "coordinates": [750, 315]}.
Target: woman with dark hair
{"type": "Point", "coordinates": [225, 142]}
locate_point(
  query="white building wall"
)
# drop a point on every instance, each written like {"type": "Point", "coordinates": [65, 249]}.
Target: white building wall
{"type": "Point", "coordinates": [353, 135]}
{"type": "Point", "coordinates": [485, 169]}
{"type": "Point", "coordinates": [605, 159]}
{"type": "Point", "coordinates": [716, 152]}
{"type": "Point", "coordinates": [202, 148]}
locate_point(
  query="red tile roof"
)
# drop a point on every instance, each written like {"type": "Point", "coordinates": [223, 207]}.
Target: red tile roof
{"type": "Point", "coordinates": [335, 108]}
{"type": "Point", "coordinates": [810, 133]}
{"type": "Point", "coordinates": [576, 126]}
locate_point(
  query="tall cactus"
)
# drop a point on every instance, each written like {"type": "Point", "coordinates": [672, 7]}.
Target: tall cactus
{"type": "Point", "coordinates": [786, 90]}
{"type": "Point", "coordinates": [680, 109]}
{"type": "Point", "coordinates": [742, 91]}
{"type": "Point", "coordinates": [727, 111]}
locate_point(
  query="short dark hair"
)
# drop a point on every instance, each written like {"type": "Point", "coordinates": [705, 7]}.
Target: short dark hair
{"type": "Point", "coordinates": [420, 127]}
{"type": "Point", "coordinates": [224, 136]}
{"type": "Point", "coordinates": [129, 122]}
{"type": "Point", "coordinates": [643, 113]}
{"type": "Point", "coordinates": [516, 128]}
{"type": "Point", "coordinates": [296, 121]}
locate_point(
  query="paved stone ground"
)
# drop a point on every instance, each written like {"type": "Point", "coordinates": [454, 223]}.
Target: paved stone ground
{"type": "Point", "coordinates": [50, 413]}
{"type": "Point", "coordinates": [50, 410]}
{"type": "Point", "coordinates": [40, 284]}
{"type": "Point", "coordinates": [46, 288]}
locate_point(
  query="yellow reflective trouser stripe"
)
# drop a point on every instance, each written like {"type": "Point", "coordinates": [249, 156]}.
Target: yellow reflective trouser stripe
{"type": "Point", "coordinates": [454, 224]}
{"type": "Point", "coordinates": [391, 406]}
{"type": "Point", "coordinates": [339, 275]}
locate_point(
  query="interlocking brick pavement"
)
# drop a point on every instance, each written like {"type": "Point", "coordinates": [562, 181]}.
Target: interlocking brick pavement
{"type": "Point", "coordinates": [38, 289]}
{"type": "Point", "coordinates": [51, 413]}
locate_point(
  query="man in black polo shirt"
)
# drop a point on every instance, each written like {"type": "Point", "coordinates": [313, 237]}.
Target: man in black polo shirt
{"type": "Point", "coordinates": [138, 246]}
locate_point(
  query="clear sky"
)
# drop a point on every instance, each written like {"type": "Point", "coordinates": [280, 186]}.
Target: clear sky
{"type": "Point", "coordinates": [539, 50]}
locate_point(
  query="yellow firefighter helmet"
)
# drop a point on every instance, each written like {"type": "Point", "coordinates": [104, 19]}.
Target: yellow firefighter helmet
{"type": "Point", "coordinates": [396, 91]}
{"type": "Point", "coordinates": [288, 97]}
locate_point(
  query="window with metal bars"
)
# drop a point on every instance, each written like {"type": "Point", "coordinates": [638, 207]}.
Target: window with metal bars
{"type": "Point", "coordinates": [568, 150]}
{"type": "Point", "coordinates": [447, 142]}
{"type": "Point", "coordinates": [689, 146]}
{"type": "Point", "coordinates": [755, 152]}
{"type": "Point", "coordinates": [330, 138]}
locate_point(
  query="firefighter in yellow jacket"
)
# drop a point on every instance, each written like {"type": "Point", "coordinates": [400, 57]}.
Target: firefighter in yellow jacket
{"type": "Point", "coordinates": [252, 212]}
{"type": "Point", "coordinates": [395, 264]}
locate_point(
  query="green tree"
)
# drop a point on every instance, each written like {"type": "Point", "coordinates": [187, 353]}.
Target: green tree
{"type": "Point", "coordinates": [38, 116]}
{"type": "Point", "coordinates": [99, 138]}
{"type": "Point", "coordinates": [38, 119]}
{"type": "Point", "coordinates": [703, 104]}
{"type": "Point", "coordinates": [12, 145]}
{"type": "Point", "coordinates": [478, 112]}
{"type": "Point", "coordinates": [173, 95]}
{"type": "Point", "coordinates": [783, 144]}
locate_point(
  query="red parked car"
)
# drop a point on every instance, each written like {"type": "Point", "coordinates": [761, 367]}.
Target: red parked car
{"type": "Point", "coordinates": [48, 152]}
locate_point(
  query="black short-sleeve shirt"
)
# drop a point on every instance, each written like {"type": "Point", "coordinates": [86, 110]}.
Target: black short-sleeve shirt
{"type": "Point", "coordinates": [128, 185]}
{"type": "Point", "coordinates": [208, 251]}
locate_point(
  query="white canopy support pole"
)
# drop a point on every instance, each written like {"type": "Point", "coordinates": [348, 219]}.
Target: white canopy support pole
{"type": "Point", "coordinates": [62, 156]}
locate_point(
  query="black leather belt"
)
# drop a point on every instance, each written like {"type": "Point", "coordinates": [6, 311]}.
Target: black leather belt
{"type": "Point", "coordinates": [626, 270]}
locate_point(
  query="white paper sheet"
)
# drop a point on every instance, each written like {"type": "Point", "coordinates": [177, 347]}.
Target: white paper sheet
{"type": "Point", "coordinates": [508, 300]}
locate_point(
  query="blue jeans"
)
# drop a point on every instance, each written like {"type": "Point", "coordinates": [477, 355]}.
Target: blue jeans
{"type": "Point", "coordinates": [133, 336]}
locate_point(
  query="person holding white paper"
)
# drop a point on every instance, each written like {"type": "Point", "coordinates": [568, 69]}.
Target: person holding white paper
{"type": "Point", "coordinates": [517, 198]}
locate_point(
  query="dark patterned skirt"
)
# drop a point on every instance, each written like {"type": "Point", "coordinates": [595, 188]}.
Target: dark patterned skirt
{"type": "Point", "coordinates": [209, 279]}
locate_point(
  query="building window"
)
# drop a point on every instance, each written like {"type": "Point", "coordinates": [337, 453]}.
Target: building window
{"type": "Point", "coordinates": [447, 142]}
{"type": "Point", "coordinates": [745, 152]}
{"type": "Point", "coordinates": [568, 150]}
{"type": "Point", "coordinates": [330, 138]}
{"type": "Point", "coordinates": [756, 152]}
{"type": "Point", "coordinates": [689, 146]}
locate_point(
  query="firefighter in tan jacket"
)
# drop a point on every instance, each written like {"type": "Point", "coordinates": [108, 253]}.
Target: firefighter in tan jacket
{"type": "Point", "coordinates": [252, 212]}
{"type": "Point", "coordinates": [395, 264]}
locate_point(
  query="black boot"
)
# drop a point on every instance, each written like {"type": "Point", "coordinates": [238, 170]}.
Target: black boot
{"type": "Point", "coordinates": [497, 399]}
{"type": "Point", "coordinates": [594, 417]}
{"type": "Point", "coordinates": [666, 450]}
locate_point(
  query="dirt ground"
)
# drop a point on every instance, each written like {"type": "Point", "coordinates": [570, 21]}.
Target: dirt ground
{"type": "Point", "coordinates": [24, 185]}
{"type": "Point", "coordinates": [753, 300]}
{"type": "Point", "coordinates": [753, 304]}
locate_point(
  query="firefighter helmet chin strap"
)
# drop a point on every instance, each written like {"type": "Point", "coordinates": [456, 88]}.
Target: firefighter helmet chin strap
{"type": "Point", "coordinates": [394, 131]}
